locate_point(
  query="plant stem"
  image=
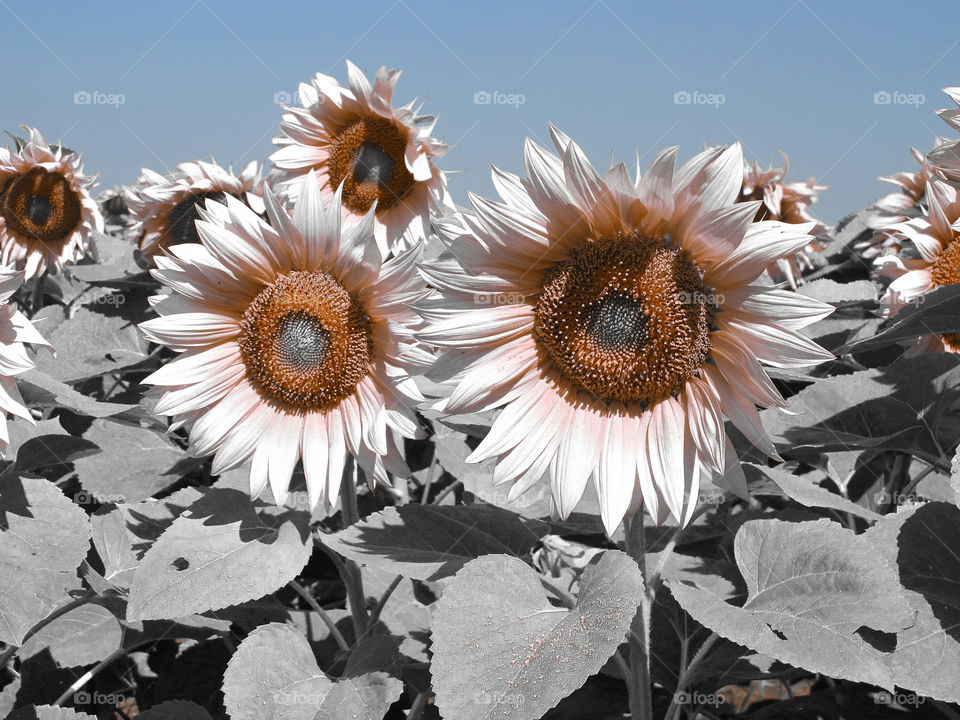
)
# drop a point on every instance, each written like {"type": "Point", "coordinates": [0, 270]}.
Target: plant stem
{"type": "Point", "coordinates": [689, 673]}
{"type": "Point", "coordinates": [318, 609]}
{"type": "Point", "coordinates": [351, 571]}
{"type": "Point", "coordinates": [639, 688]}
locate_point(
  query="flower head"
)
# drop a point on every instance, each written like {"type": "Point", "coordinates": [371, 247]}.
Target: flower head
{"type": "Point", "coordinates": [787, 202]}
{"type": "Point", "coordinates": [380, 154]}
{"type": "Point", "coordinates": [945, 158]}
{"type": "Point", "coordinates": [934, 240]}
{"type": "Point", "coordinates": [296, 341]}
{"type": "Point", "coordinates": [46, 212]}
{"type": "Point", "coordinates": [617, 323]}
{"type": "Point", "coordinates": [164, 209]}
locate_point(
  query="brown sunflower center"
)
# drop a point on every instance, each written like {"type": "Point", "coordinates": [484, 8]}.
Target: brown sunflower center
{"type": "Point", "coordinates": [626, 318]}
{"type": "Point", "coordinates": [367, 156]}
{"type": "Point", "coordinates": [946, 271]}
{"type": "Point", "coordinates": [305, 342]}
{"type": "Point", "coordinates": [182, 217]}
{"type": "Point", "coordinates": [41, 205]}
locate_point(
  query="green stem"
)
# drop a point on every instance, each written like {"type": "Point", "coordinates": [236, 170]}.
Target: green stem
{"type": "Point", "coordinates": [351, 571]}
{"type": "Point", "coordinates": [318, 609]}
{"type": "Point", "coordinates": [639, 687]}
{"type": "Point", "coordinates": [688, 675]}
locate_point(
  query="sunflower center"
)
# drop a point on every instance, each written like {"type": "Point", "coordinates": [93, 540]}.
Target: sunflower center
{"type": "Point", "coordinates": [305, 342]}
{"type": "Point", "coordinates": [946, 271]}
{"type": "Point", "coordinates": [626, 319]}
{"type": "Point", "coordinates": [41, 205]}
{"type": "Point", "coordinates": [367, 156]}
{"type": "Point", "coordinates": [182, 217]}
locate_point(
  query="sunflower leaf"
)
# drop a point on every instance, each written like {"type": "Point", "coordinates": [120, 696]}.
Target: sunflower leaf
{"type": "Point", "coordinates": [818, 596]}
{"type": "Point", "coordinates": [934, 313]}
{"type": "Point", "coordinates": [495, 625]}
{"type": "Point", "coordinates": [43, 539]}
{"type": "Point", "coordinates": [175, 710]}
{"type": "Point", "coordinates": [223, 550]}
{"type": "Point", "coordinates": [274, 674]}
{"type": "Point", "coordinates": [48, 712]}
{"type": "Point", "coordinates": [134, 464]}
{"type": "Point", "coordinates": [924, 540]}
{"type": "Point", "coordinates": [896, 407]}
{"type": "Point", "coordinates": [82, 636]}
{"type": "Point", "coordinates": [429, 542]}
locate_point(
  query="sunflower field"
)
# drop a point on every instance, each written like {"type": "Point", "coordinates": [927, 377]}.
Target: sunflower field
{"type": "Point", "coordinates": [310, 440]}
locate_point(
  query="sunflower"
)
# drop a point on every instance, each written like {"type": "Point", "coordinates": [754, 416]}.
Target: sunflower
{"type": "Point", "coordinates": [896, 207]}
{"type": "Point", "coordinates": [46, 212]}
{"type": "Point", "coordinates": [945, 158]}
{"type": "Point", "coordinates": [15, 330]}
{"type": "Point", "coordinates": [380, 154]}
{"type": "Point", "coordinates": [935, 238]}
{"type": "Point", "coordinates": [296, 340]}
{"type": "Point", "coordinates": [617, 322]}
{"type": "Point", "coordinates": [164, 209]}
{"type": "Point", "coordinates": [788, 202]}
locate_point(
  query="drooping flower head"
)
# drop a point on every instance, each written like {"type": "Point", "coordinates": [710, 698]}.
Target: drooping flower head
{"type": "Point", "coordinates": [15, 331]}
{"type": "Point", "coordinates": [615, 321]}
{"type": "Point", "coordinates": [164, 209]}
{"type": "Point", "coordinates": [381, 154]}
{"type": "Point", "coordinates": [47, 214]}
{"type": "Point", "coordinates": [945, 158]}
{"type": "Point", "coordinates": [789, 203]}
{"type": "Point", "coordinates": [934, 240]}
{"type": "Point", "coordinates": [296, 340]}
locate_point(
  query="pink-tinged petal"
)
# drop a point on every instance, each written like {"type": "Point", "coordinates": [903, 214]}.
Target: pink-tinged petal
{"type": "Point", "coordinates": [195, 365]}
{"type": "Point", "coordinates": [285, 451]}
{"type": "Point", "coordinates": [289, 233]}
{"type": "Point", "coordinates": [647, 490]}
{"type": "Point", "coordinates": [25, 332]}
{"type": "Point", "coordinates": [742, 413]}
{"type": "Point", "coordinates": [742, 370]}
{"type": "Point", "coordinates": [712, 236]}
{"type": "Point", "coordinates": [586, 186]}
{"type": "Point", "coordinates": [372, 418]}
{"type": "Point", "coordinates": [260, 465]}
{"type": "Point", "coordinates": [665, 452]}
{"type": "Point", "coordinates": [318, 222]}
{"type": "Point", "coordinates": [705, 422]}
{"type": "Point", "coordinates": [786, 308]}
{"type": "Point", "coordinates": [576, 459]}
{"type": "Point", "coordinates": [502, 436]}
{"type": "Point", "coordinates": [242, 258]}
{"type": "Point", "coordinates": [777, 346]}
{"type": "Point", "coordinates": [732, 478]}
{"type": "Point", "coordinates": [350, 417]}
{"type": "Point", "coordinates": [710, 180]}
{"type": "Point", "coordinates": [545, 178]}
{"type": "Point", "coordinates": [314, 447]}
{"type": "Point", "coordinates": [905, 288]}
{"type": "Point", "coordinates": [763, 243]}
{"type": "Point", "coordinates": [483, 327]}
{"type": "Point", "coordinates": [512, 191]}
{"type": "Point", "coordinates": [14, 359]}
{"type": "Point", "coordinates": [11, 401]}
{"type": "Point", "coordinates": [212, 428]}
{"type": "Point", "coordinates": [297, 157]}
{"type": "Point", "coordinates": [504, 366]}
{"type": "Point", "coordinates": [616, 475]}
{"type": "Point", "coordinates": [655, 189]}
{"type": "Point", "coordinates": [187, 330]}
{"type": "Point", "coordinates": [359, 85]}
{"type": "Point", "coordinates": [336, 454]}
{"type": "Point", "coordinates": [418, 163]}
{"type": "Point", "coordinates": [202, 394]}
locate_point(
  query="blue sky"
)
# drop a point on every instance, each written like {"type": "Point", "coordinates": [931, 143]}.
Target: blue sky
{"type": "Point", "coordinates": [199, 78]}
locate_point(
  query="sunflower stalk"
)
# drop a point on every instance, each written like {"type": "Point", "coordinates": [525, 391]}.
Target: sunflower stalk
{"type": "Point", "coordinates": [350, 573]}
{"type": "Point", "coordinates": [639, 686]}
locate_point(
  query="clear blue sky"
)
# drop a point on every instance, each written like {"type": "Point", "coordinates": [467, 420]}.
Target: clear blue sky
{"type": "Point", "coordinates": [199, 78]}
